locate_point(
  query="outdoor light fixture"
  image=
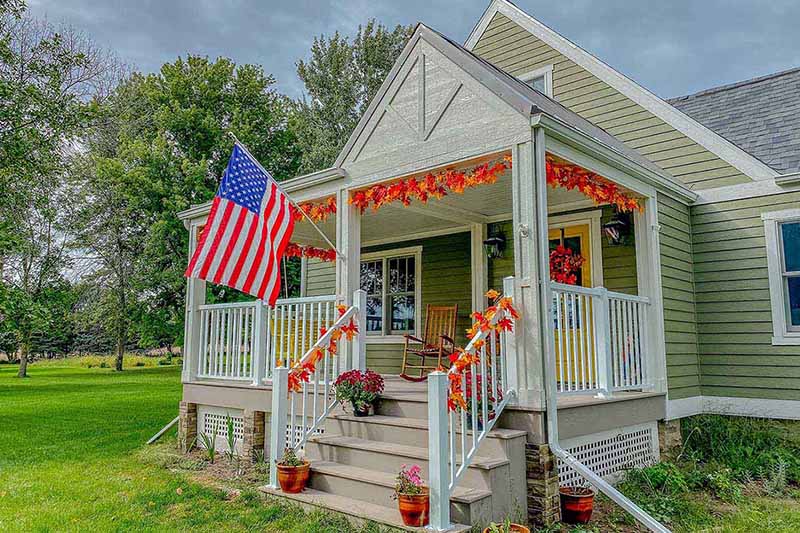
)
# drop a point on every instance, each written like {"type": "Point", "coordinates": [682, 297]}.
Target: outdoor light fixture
{"type": "Point", "coordinates": [494, 245]}
{"type": "Point", "coordinates": [618, 229]}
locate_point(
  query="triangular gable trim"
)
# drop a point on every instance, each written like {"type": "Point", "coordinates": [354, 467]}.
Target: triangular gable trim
{"type": "Point", "coordinates": [484, 74]}
{"type": "Point", "coordinates": [703, 136]}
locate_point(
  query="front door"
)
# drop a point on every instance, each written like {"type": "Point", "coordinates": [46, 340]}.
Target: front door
{"type": "Point", "coordinates": [574, 340]}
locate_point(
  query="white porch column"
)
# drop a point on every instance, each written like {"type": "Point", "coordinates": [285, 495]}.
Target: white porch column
{"type": "Point", "coordinates": [195, 297]}
{"type": "Point", "coordinates": [648, 273]}
{"type": "Point", "coordinates": [480, 266]}
{"type": "Point", "coordinates": [526, 294]}
{"type": "Point", "coordinates": [348, 268]}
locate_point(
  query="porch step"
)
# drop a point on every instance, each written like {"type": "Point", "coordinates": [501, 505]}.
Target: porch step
{"type": "Point", "coordinates": [411, 432]}
{"type": "Point", "coordinates": [354, 508]}
{"type": "Point", "coordinates": [390, 457]}
{"type": "Point", "coordinates": [467, 505]}
{"type": "Point", "coordinates": [405, 405]}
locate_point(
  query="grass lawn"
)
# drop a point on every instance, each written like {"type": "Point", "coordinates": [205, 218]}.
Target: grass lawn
{"type": "Point", "coordinates": [72, 458]}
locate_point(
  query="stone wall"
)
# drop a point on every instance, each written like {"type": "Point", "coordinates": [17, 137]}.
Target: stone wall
{"type": "Point", "coordinates": [542, 478]}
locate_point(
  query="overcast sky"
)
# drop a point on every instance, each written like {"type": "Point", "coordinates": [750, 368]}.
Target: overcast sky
{"type": "Point", "coordinates": [672, 47]}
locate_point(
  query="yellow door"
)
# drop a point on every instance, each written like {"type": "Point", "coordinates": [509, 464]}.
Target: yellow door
{"type": "Point", "coordinates": [575, 346]}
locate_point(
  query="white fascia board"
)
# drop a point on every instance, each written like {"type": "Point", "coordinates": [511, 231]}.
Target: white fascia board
{"type": "Point", "coordinates": [743, 191]}
{"type": "Point", "coordinates": [561, 136]}
{"type": "Point", "coordinates": [724, 149]}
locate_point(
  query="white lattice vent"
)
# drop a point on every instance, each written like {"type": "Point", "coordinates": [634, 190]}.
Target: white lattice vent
{"type": "Point", "coordinates": [611, 452]}
{"type": "Point", "coordinates": [211, 418]}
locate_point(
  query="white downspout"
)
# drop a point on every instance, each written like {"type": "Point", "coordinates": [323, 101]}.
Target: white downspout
{"type": "Point", "coordinates": [548, 359]}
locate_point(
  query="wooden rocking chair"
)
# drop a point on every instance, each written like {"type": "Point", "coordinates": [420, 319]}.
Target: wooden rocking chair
{"type": "Point", "coordinates": [437, 341]}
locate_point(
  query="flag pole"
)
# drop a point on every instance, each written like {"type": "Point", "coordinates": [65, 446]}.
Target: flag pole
{"type": "Point", "coordinates": [243, 147]}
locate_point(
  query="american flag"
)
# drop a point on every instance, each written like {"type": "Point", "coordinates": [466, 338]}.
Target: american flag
{"type": "Point", "coordinates": [247, 230]}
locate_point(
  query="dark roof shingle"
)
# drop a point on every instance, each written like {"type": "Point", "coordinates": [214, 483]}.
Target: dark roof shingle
{"type": "Point", "coordinates": [761, 116]}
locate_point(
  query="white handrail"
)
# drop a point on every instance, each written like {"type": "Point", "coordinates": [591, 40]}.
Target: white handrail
{"type": "Point", "coordinates": [292, 424]}
{"type": "Point", "coordinates": [599, 339]}
{"type": "Point", "coordinates": [450, 456]}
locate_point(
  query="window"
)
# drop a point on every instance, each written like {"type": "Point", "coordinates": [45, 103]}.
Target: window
{"type": "Point", "coordinates": [540, 79]}
{"type": "Point", "coordinates": [782, 232]}
{"type": "Point", "coordinates": [391, 281]}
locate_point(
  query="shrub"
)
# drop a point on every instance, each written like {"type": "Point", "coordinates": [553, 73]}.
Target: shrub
{"type": "Point", "coordinates": [104, 364]}
{"type": "Point", "coordinates": [164, 362]}
{"type": "Point", "coordinates": [139, 363]}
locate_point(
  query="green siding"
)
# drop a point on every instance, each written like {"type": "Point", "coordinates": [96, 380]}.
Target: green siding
{"type": "Point", "coordinates": [516, 51]}
{"type": "Point", "coordinates": [680, 318]}
{"type": "Point", "coordinates": [321, 278]}
{"type": "Point", "coordinates": [733, 305]}
{"type": "Point", "coordinates": [619, 262]}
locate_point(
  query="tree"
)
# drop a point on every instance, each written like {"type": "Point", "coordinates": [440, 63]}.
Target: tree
{"type": "Point", "coordinates": [340, 80]}
{"type": "Point", "coordinates": [46, 79]}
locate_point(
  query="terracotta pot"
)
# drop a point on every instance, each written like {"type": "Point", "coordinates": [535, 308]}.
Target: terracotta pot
{"type": "Point", "coordinates": [577, 504]}
{"type": "Point", "coordinates": [516, 528]}
{"type": "Point", "coordinates": [414, 508]}
{"type": "Point", "coordinates": [293, 479]}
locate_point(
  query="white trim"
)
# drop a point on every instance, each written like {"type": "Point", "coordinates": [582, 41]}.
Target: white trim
{"type": "Point", "coordinates": [384, 255]}
{"type": "Point", "coordinates": [713, 142]}
{"type": "Point", "coordinates": [593, 219]}
{"type": "Point", "coordinates": [781, 334]}
{"type": "Point", "coordinates": [649, 284]}
{"type": "Point", "coordinates": [545, 72]}
{"type": "Point", "coordinates": [479, 266]}
{"type": "Point", "coordinates": [727, 405]}
{"type": "Point", "coordinates": [788, 179]}
{"type": "Point", "coordinates": [743, 191]}
{"type": "Point", "coordinates": [684, 407]}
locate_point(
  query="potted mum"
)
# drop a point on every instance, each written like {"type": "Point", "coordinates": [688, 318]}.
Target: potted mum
{"type": "Point", "coordinates": [412, 496]}
{"type": "Point", "coordinates": [293, 472]}
{"type": "Point", "coordinates": [360, 389]}
{"type": "Point", "coordinates": [577, 504]}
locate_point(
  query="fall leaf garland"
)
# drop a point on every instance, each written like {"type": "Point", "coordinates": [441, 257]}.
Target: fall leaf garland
{"type": "Point", "coordinates": [304, 368]}
{"type": "Point", "coordinates": [300, 250]}
{"type": "Point", "coordinates": [316, 211]}
{"type": "Point", "coordinates": [429, 186]}
{"type": "Point", "coordinates": [602, 191]}
{"type": "Point", "coordinates": [462, 360]}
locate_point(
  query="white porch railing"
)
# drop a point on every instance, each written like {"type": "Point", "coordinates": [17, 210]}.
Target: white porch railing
{"type": "Point", "coordinates": [599, 340]}
{"type": "Point", "coordinates": [233, 336]}
{"type": "Point", "coordinates": [454, 437]}
{"type": "Point", "coordinates": [297, 415]}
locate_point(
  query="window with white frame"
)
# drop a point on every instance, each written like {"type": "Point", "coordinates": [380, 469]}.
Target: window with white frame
{"type": "Point", "coordinates": [391, 281]}
{"type": "Point", "coordinates": [540, 79]}
{"type": "Point", "coordinates": [782, 232]}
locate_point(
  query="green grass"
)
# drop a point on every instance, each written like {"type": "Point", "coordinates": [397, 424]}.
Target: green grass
{"type": "Point", "coordinates": [72, 458]}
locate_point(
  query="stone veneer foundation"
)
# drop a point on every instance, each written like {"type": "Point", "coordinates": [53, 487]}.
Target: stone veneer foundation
{"type": "Point", "coordinates": [544, 506]}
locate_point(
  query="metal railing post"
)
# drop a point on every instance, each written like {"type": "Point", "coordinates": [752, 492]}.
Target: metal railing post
{"type": "Point", "coordinates": [438, 459]}
{"type": "Point", "coordinates": [359, 346]}
{"type": "Point", "coordinates": [277, 423]}
{"type": "Point", "coordinates": [605, 367]}
{"type": "Point", "coordinates": [259, 343]}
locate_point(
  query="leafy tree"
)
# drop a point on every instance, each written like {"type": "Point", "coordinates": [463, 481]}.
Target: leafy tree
{"type": "Point", "coordinates": [46, 79]}
{"type": "Point", "coordinates": [340, 78]}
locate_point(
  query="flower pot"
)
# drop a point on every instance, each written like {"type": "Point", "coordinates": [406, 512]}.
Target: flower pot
{"type": "Point", "coordinates": [361, 410]}
{"type": "Point", "coordinates": [515, 528]}
{"type": "Point", "coordinates": [577, 504]}
{"type": "Point", "coordinates": [293, 479]}
{"type": "Point", "coordinates": [414, 508]}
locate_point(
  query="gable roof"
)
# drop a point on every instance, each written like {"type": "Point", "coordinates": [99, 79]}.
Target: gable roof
{"type": "Point", "coordinates": [708, 139]}
{"type": "Point", "coordinates": [761, 116]}
{"type": "Point", "coordinates": [520, 96]}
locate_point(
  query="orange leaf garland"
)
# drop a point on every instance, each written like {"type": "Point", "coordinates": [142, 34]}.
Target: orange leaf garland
{"type": "Point", "coordinates": [600, 190]}
{"type": "Point", "coordinates": [429, 186]}
{"type": "Point", "coordinates": [318, 212]}
{"type": "Point", "coordinates": [299, 250]}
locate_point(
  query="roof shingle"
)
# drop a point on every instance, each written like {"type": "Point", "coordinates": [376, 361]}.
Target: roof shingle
{"type": "Point", "coordinates": [761, 116]}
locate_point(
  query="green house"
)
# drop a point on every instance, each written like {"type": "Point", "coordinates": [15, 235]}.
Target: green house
{"type": "Point", "coordinates": [651, 249]}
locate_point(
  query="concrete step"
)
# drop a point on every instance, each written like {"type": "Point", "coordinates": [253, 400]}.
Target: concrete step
{"type": "Point", "coordinates": [356, 509]}
{"type": "Point", "coordinates": [389, 457]}
{"type": "Point", "coordinates": [467, 506]}
{"type": "Point", "coordinates": [404, 405]}
{"type": "Point", "coordinates": [412, 432]}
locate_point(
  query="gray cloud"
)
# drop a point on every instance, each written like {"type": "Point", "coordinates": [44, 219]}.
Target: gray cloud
{"type": "Point", "coordinates": [672, 48]}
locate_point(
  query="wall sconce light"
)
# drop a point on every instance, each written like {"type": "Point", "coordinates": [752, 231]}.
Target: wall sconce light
{"type": "Point", "coordinates": [618, 229]}
{"type": "Point", "coordinates": [494, 245]}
